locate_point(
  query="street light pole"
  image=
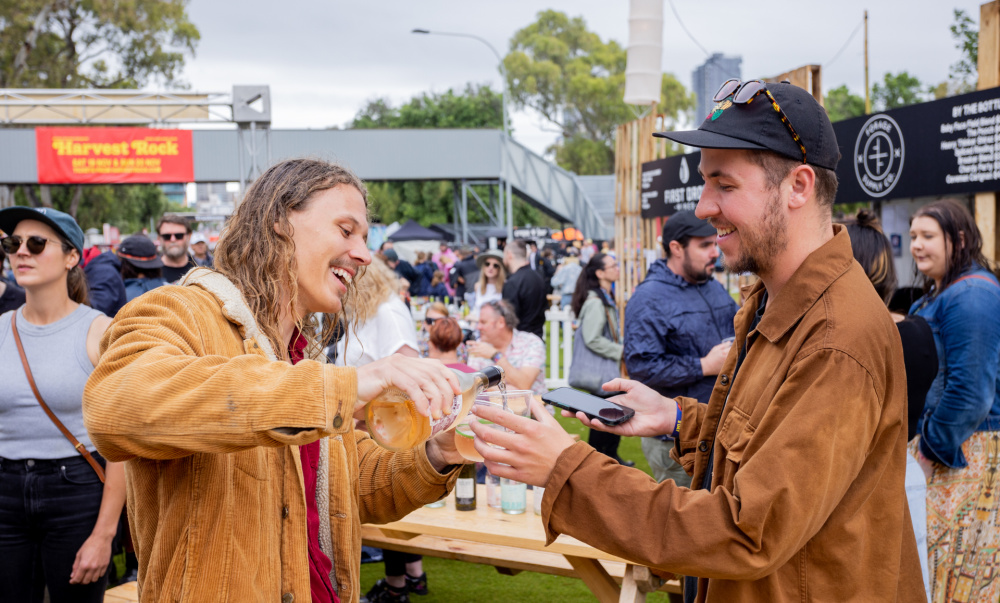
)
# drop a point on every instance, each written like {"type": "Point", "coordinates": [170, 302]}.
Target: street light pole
{"type": "Point", "coordinates": [503, 110]}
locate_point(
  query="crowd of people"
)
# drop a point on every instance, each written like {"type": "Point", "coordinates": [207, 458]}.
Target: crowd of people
{"type": "Point", "coordinates": [822, 439]}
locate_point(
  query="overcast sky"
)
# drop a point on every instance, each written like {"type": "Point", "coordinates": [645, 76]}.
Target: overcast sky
{"type": "Point", "coordinates": [323, 60]}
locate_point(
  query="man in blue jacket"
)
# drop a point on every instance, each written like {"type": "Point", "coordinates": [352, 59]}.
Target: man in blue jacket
{"type": "Point", "coordinates": [676, 327]}
{"type": "Point", "coordinates": [105, 284]}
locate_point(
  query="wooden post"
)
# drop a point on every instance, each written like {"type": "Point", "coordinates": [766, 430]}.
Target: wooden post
{"type": "Point", "coordinates": [989, 77]}
{"type": "Point", "coordinates": [868, 100]}
{"type": "Point", "coordinates": [634, 145]}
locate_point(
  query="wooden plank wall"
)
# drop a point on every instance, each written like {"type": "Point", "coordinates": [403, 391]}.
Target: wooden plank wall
{"type": "Point", "coordinates": [807, 77]}
{"type": "Point", "coordinates": [989, 77]}
{"type": "Point", "coordinates": [634, 145]}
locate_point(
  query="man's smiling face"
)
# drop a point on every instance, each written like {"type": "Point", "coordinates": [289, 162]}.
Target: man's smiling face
{"type": "Point", "coordinates": [330, 237]}
{"type": "Point", "coordinates": [748, 215]}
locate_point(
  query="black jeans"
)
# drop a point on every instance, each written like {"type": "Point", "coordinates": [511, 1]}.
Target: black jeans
{"type": "Point", "coordinates": [395, 562]}
{"type": "Point", "coordinates": [48, 508]}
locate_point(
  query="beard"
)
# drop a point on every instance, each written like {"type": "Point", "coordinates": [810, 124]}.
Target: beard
{"type": "Point", "coordinates": [175, 252]}
{"type": "Point", "coordinates": [760, 244]}
{"type": "Point", "coordinates": [698, 274]}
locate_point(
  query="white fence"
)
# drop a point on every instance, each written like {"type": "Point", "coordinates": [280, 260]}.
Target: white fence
{"type": "Point", "coordinates": [560, 324]}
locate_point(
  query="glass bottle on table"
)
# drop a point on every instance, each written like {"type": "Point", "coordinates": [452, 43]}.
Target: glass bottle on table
{"type": "Point", "coordinates": [493, 491]}
{"type": "Point", "coordinates": [513, 496]}
{"type": "Point", "coordinates": [394, 423]}
{"type": "Point", "coordinates": [465, 488]}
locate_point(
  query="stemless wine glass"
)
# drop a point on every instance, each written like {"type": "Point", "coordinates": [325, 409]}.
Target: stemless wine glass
{"type": "Point", "coordinates": [517, 400]}
{"type": "Point", "coordinates": [465, 439]}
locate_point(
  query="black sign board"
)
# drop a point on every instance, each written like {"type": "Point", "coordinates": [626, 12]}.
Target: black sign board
{"type": "Point", "coordinates": [945, 147]}
{"type": "Point", "coordinates": [671, 185]}
{"type": "Point", "coordinates": [535, 232]}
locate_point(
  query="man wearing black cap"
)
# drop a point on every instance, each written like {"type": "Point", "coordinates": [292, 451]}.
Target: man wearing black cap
{"type": "Point", "coordinates": [403, 268]}
{"type": "Point", "coordinates": [141, 266]}
{"type": "Point", "coordinates": [798, 459]}
{"type": "Point", "coordinates": [678, 327]}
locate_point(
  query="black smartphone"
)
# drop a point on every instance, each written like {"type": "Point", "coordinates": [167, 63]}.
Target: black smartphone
{"type": "Point", "coordinates": [575, 400]}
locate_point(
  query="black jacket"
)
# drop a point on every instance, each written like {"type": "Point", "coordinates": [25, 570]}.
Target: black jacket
{"type": "Point", "coordinates": [525, 290]}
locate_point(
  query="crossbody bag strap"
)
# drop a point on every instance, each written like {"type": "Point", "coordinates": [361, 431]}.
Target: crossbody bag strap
{"type": "Point", "coordinates": [979, 276]}
{"type": "Point", "coordinates": [38, 396]}
{"type": "Point", "coordinates": [615, 337]}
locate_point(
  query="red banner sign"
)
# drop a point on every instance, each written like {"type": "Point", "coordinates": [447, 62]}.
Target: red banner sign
{"type": "Point", "coordinates": [113, 155]}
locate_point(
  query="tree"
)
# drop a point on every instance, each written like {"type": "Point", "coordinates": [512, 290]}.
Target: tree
{"type": "Point", "coordinates": [477, 107]}
{"type": "Point", "coordinates": [575, 81]}
{"type": "Point", "coordinates": [130, 208]}
{"type": "Point", "coordinates": [93, 43]}
{"type": "Point", "coordinates": [842, 104]}
{"type": "Point", "coordinates": [431, 202]}
{"type": "Point", "coordinates": [964, 74]}
{"type": "Point", "coordinates": [897, 91]}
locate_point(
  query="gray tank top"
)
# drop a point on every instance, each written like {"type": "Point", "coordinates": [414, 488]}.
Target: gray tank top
{"type": "Point", "coordinates": [57, 354]}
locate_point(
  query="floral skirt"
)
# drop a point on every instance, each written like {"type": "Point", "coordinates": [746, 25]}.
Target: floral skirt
{"type": "Point", "coordinates": [963, 527]}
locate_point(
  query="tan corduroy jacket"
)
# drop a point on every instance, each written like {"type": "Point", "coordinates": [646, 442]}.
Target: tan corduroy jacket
{"type": "Point", "coordinates": [188, 393]}
{"type": "Point", "coordinates": [807, 499]}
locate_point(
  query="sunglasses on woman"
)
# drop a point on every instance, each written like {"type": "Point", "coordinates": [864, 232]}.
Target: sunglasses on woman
{"type": "Point", "coordinates": [744, 92]}
{"type": "Point", "coordinates": [36, 244]}
{"type": "Point", "coordinates": [491, 264]}
{"type": "Point", "coordinates": [429, 321]}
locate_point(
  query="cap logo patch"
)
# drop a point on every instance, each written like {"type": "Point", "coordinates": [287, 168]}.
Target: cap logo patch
{"type": "Point", "coordinates": [720, 107]}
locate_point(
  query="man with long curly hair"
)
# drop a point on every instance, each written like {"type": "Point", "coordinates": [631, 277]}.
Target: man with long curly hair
{"type": "Point", "coordinates": [246, 480]}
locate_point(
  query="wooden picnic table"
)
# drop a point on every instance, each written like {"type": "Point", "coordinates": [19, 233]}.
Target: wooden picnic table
{"type": "Point", "coordinates": [514, 543]}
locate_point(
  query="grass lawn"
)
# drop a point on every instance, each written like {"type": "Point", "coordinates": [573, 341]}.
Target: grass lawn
{"type": "Point", "coordinates": [461, 582]}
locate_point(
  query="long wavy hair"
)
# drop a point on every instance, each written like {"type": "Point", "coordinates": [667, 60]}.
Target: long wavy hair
{"type": "Point", "coordinates": [256, 251]}
{"type": "Point", "coordinates": [501, 277]}
{"type": "Point", "coordinates": [363, 300]}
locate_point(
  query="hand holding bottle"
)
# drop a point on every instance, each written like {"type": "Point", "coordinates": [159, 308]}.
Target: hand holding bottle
{"type": "Point", "coordinates": [428, 383]}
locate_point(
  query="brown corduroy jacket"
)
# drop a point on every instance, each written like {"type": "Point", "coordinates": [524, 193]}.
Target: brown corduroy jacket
{"type": "Point", "coordinates": [807, 499]}
{"type": "Point", "coordinates": [188, 393]}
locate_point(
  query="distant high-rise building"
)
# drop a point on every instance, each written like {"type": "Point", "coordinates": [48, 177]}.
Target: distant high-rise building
{"type": "Point", "coordinates": [215, 198]}
{"type": "Point", "coordinates": [707, 78]}
{"type": "Point", "coordinates": [175, 193]}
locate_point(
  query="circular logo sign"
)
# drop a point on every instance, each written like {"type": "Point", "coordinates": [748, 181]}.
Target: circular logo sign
{"type": "Point", "coordinates": [878, 155]}
{"type": "Point", "coordinates": [685, 173]}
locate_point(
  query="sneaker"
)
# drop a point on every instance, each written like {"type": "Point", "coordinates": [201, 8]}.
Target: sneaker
{"type": "Point", "coordinates": [382, 592]}
{"type": "Point", "coordinates": [418, 585]}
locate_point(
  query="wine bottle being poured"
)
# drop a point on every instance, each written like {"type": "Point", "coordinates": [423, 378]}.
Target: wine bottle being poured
{"type": "Point", "coordinates": [394, 422]}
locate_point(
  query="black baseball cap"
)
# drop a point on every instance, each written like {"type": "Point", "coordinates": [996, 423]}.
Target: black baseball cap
{"type": "Point", "coordinates": [756, 125]}
{"type": "Point", "coordinates": [685, 223]}
{"type": "Point", "coordinates": [62, 223]}
{"type": "Point", "coordinates": [139, 251]}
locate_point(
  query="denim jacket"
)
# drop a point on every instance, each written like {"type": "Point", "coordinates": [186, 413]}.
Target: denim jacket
{"type": "Point", "coordinates": [965, 395]}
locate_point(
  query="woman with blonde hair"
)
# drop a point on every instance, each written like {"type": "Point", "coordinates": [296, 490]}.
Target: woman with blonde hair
{"type": "Point", "coordinates": [381, 324]}
{"type": "Point", "coordinates": [492, 274]}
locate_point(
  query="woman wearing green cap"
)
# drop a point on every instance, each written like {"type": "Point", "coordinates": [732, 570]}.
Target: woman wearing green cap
{"type": "Point", "coordinates": [57, 519]}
